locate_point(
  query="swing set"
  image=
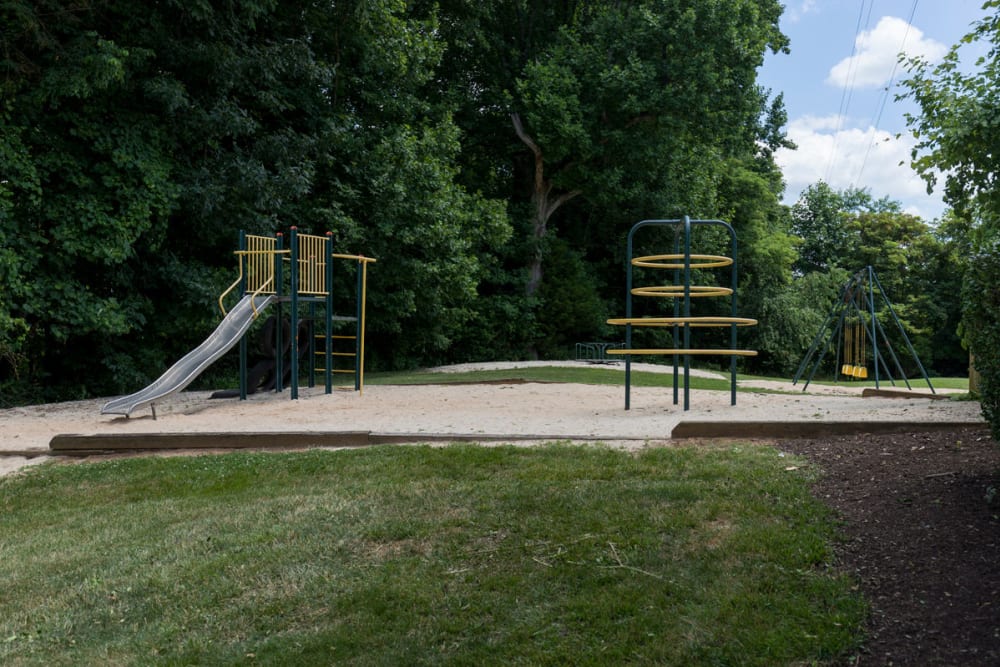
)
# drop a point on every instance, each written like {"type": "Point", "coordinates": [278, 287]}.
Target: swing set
{"type": "Point", "coordinates": [853, 327]}
{"type": "Point", "coordinates": [854, 344]}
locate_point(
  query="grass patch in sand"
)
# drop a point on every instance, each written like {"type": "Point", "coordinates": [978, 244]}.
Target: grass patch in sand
{"type": "Point", "coordinates": [417, 555]}
{"type": "Point", "coordinates": [603, 375]}
{"type": "Point", "coordinates": [555, 374]}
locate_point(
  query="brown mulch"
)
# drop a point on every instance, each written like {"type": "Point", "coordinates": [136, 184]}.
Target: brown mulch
{"type": "Point", "coordinates": [921, 515]}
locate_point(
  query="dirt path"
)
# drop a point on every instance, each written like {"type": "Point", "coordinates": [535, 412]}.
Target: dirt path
{"type": "Point", "coordinates": [922, 535]}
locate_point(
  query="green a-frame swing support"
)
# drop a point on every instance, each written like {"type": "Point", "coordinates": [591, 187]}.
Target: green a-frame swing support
{"type": "Point", "coordinates": [858, 299]}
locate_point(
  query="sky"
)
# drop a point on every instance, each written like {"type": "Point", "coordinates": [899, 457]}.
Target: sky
{"type": "Point", "coordinates": [840, 82]}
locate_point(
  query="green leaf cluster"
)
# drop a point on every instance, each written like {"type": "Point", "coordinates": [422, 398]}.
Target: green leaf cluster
{"type": "Point", "coordinates": [956, 133]}
{"type": "Point", "coordinates": [492, 155]}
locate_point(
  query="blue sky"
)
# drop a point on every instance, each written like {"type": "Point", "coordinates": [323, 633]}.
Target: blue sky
{"type": "Point", "coordinates": [840, 81]}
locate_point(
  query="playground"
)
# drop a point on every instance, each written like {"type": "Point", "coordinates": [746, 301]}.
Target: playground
{"type": "Point", "coordinates": [480, 412]}
{"type": "Point", "coordinates": [882, 484]}
{"type": "Point", "coordinates": [903, 466]}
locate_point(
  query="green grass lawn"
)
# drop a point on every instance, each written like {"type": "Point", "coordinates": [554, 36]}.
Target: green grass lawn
{"type": "Point", "coordinates": [598, 374]}
{"type": "Point", "coordinates": [461, 555]}
{"type": "Point", "coordinates": [560, 374]}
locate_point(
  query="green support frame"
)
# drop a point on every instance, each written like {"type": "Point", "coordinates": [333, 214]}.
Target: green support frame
{"type": "Point", "coordinates": [858, 297]}
{"type": "Point", "coordinates": [681, 261]}
{"type": "Point", "coordinates": [318, 294]}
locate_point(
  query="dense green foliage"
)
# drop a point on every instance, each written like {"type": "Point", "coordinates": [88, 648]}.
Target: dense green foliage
{"type": "Point", "coordinates": [842, 232]}
{"type": "Point", "coordinates": [981, 327]}
{"type": "Point", "coordinates": [492, 155]}
{"type": "Point", "coordinates": [477, 556]}
{"type": "Point", "coordinates": [142, 141]}
{"type": "Point", "coordinates": [957, 134]}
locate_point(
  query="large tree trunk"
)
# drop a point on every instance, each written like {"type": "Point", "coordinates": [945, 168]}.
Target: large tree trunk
{"type": "Point", "coordinates": [543, 206]}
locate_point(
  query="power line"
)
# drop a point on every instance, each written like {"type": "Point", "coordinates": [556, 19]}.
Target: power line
{"type": "Point", "coordinates": [885, 93]}
{"type": "Point", "coordinates": [848, 92]}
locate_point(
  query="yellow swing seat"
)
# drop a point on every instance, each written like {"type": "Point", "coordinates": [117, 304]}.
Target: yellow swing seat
{"type": "Point", "coordinates": [861, 372]}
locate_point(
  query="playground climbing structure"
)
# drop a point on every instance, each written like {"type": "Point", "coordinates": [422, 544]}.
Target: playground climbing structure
{"type": "Point", "coordinates": [682, 293]}
{"type": "Point", "coordinates": [854, 328]}
{"type": "Point", "coordinates": [299, 277]}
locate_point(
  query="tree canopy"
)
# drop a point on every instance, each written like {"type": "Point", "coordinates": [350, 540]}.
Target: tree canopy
{"type": "Point", "coordinates": [957, 134]}
{"type": "Point", "coordinates": [493, 155]}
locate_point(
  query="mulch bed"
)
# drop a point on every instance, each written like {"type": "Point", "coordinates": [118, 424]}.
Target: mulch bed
{"type": "Point", "coordinates": [921, 515]}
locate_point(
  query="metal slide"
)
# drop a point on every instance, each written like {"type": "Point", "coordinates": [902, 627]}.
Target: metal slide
{"type": "Point", "coordinates": [228, 333]}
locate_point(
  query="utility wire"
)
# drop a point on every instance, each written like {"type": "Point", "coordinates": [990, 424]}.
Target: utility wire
{"type": "Point", "coordinates": [885, 93]}
{"type": "Point", "coordinates": [848, 92]}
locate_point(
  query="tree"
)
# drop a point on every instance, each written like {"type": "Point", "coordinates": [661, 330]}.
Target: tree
{"type": "Point", "coordinates": [956, 133]}
{"type": "Point", "coordinates": [138, 144]}
{"type": "Point", "coordinates": [587, 117]}
{"type": "Point", "coordinates": [821, 219]}
{"type": "Point", "coordinates": [850, 229]}
{"type": "Point", "coordinates": [913, 267]}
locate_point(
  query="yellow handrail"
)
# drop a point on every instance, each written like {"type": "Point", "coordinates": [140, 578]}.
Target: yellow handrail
{"type": "Point", "coordinates": [260, 270]}
{"type": "Point", "coordinates": [360, 258]}
{"type": "Point", "coordinates": [230, 289]}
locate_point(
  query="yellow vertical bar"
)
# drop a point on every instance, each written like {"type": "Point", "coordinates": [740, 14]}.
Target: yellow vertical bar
{"type": "Point", "coordinates": [258, 257]}
{"type": "Point", "coordinates": [321, 265]}
{"type": "Point", "coordinates": [312, 264]}
{"type": "Point", "coordinates": [255, 248]}
{"type": "Point", "coordinates": [253, 245]}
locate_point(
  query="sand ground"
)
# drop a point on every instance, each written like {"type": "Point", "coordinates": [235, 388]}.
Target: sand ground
{"type": "Point", "coordinates": [548, 411]}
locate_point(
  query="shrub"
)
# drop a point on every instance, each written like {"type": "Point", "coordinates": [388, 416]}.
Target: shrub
{"type": "Point", "coordinates": [981, 327]}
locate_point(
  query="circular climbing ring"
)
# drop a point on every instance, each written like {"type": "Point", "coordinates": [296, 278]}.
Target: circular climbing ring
{"type": "Point", "coordinates": [697, 261]}
{"type": "Point", "coordinates": [676, 321]}
{"type": "Point", "coordinates": [675, 291]}
{"type": "Point", "coordinates": [682, 351]}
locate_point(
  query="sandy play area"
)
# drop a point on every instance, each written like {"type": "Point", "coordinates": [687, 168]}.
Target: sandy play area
{"type": "Point", "coordinates": [544, 411]}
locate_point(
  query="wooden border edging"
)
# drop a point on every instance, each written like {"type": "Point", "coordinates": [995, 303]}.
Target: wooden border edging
{"type": "Point", "coordinates": [817, 429]}
{"type": "Point", "coordinates": [71, 444]}
{"type": "Point", "coordinates": [871, 392]}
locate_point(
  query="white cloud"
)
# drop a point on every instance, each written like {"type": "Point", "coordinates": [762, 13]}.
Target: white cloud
{"type": "Point", "coordinates": [861, 157]}
{"type": "Point", "coordinates": [876, 53]}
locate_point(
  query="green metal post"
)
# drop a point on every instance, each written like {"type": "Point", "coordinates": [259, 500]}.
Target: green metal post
{"type": "Point", "coordinates": [628, 314]}
{"type": "Point", "coordinates": [294, 291]}
{"type": "Point", "coordinates": [677, 313]}
{"type": "Point", "coordinates": [358, 332]}
{"type": "Point", "coordinates": [243, 339]}
{"type": "Point", "coordinates": [733, 312]}
{"type": "Point", "coordinates": [328, 329]}
{"type": "Point", "coordinates": [871, 312]}
{"type": "Point", "coordinates": [687, 312]}
{"type": "Point", "coordinates": [311, 345]}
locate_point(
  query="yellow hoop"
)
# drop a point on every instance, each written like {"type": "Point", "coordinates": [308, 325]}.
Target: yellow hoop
{"type": "Point", "coordinates": [704, 261]}
{"type": "Point", "coordinates": [734, 353]}
{"type": "Point", "coordinates": [675, 321]}
{"type": "Point", "coordinates": [675, 291]}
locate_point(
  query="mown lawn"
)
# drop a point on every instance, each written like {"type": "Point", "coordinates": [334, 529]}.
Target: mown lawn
{"type": "Point", "coordinates": [460, 555]}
